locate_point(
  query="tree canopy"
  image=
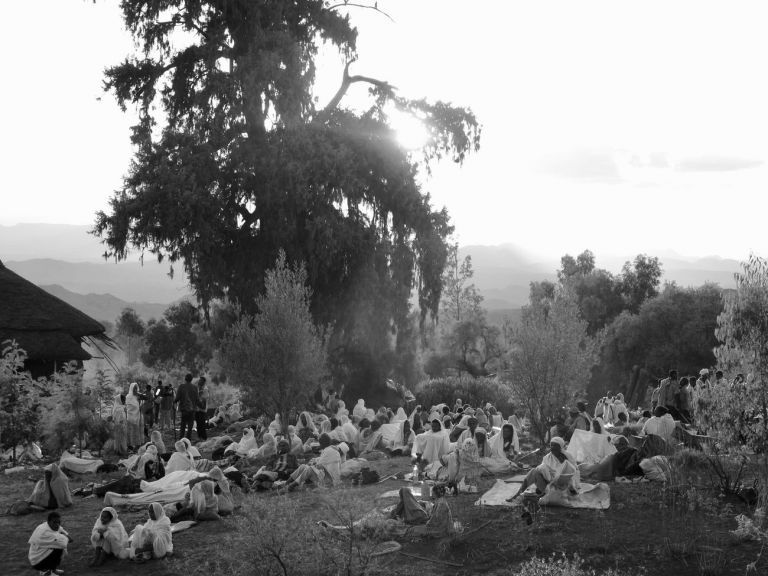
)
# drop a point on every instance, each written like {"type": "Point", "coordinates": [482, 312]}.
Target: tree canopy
{"type": "Point", "coordinates": [235, 160]}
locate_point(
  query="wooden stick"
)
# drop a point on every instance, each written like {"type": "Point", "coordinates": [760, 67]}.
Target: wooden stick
{"type": "Point", "coordinates": [475, 529]}
{"type": "Point", "coordinates": [435, 560]}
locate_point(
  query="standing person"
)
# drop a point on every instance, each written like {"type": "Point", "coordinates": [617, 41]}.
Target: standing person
{"type": "Point", "coordinates": [684, 401]}
{"type": "Point", "coordinates": [201, 419]}
{"type": "Point", "coordinates": [703, 382]}
{"type": "Point", "coordinates": [157, 399]}
{"type": "Point", "coordinates": [148, 409]}
{"type": "Point", "coordinates": [166, 407]}
{"type": "Point", "coordinates": [187, 400]}
{"type": "Point", "coordinates": [332, 404]}
{"type": "Point", "coordinates": [120, 426]}
{"type": "Point", "coordinates": [133, 412]}
{"type": "Point", "coordinates": [667, 389]}
{"type": "Point", "coordinates": [47, 545]}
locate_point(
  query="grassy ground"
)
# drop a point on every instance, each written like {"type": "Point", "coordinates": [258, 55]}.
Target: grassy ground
{"type": "Point", "coordinates": [681, 532]}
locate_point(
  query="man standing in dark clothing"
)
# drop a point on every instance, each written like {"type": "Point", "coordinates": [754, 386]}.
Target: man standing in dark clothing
{"type": "Point", "coordinates": [187, 399]}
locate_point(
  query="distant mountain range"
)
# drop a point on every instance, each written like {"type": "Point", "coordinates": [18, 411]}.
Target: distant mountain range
{"type": "Point", "coordinates": [66, 261]}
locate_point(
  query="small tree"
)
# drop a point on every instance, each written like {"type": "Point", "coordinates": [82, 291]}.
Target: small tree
{"type": "Point", "coordinates": [130, 329]}
{"type": "Point", "coordinates": [278, 356]}
{"type": "Point", "coordinates": [737, 415]}
{"type": "Point", "coordinates": [19, 419]}
{"type": "Point", "coordinates": [550, 357]}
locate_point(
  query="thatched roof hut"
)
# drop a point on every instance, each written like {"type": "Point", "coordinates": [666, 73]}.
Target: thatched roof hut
{"type": "Point", "coordinates": [49, 330]}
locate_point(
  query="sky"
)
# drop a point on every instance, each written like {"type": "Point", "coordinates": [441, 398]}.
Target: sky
{"type": "Point", "coordinates": [621, 127]}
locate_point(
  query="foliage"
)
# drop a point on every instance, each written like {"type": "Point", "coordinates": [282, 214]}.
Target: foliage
{"type": "Point", "coordinates": [70, 411]}
{"type": "Point", "coordinates": [129, 333]}
{"type": "Point", "coordinates": [19, 397]}
{"type": "Point", "coordinates": [675, 329]}
{"type": "Point", "coordinates": [277, 357]}
{"type": "Point", "coordinates": [473, 391]}
{"type": "Point", "coordinates": [550, 358]}
{"type": "Point", "coordinates": [563, 566]}
{"type": "Point", "coordinates": [238, 162]}
{"type": "Point", "coordinates": [177, 340]}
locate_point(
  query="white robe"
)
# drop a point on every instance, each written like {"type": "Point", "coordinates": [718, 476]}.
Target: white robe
{"type": "Point", "coordinates": [432, 445]}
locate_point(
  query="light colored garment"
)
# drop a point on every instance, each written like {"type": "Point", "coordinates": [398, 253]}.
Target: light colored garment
{"type": "Point", "coordinates": [432, 445]}
{"type": "Point", "coordinates": [181, 460]}
{"type": "Point", "coordinates": [170, 480]}
{"type": "Point", "coordinates": [330, 461]}
{"type": "Point", "coordinates": [226, 500]}
{"type": "Point", "coordinates": [351, 436]}
{"type": "Point", "coordinates": [400, 415]}
{"type": "Point", "coordinates": [663, 426]}
{"type": "Point", "coordinates": [552, 469]}
{"type": "Point", "coordinates": [69, 461]}
{"type": "Point", "coordinates": [297, 447]}
{"type": "Point", "coordinates": [138, 471]}
{"type": "Point", "coordinates": [44, 540]}
{"type": "Point", "coordinates": [110, 537]}
{"type": "Point", "coordinates": [502, 450]}
{"type": "Point", "coordinates": [265, 450]}
{"type": "Point", "coordinates": [155, 533]}
{"type": "Point", "coordinates": [119, 427]}
{"type": "Point", "coordinates": [204, 502]}
{"type": "Point", "coordinates": [359, 409]}
{"type": "Point", "coordinates": [589, 447]}
{"type": "Point", "coordinates": [246, 444]}
{"type": "Point", "coordinates": [58, 487]}
{"type": "Point", "coordinates": [276, 426]}
{"type": "Point", "coordinates": [157, 439]}
{"type": "Point", "coordinates": [133, 414]}
{"type": "Point", "coordinates": [170, 495]}
{"type": "Point", "coordinates": [310, 425]}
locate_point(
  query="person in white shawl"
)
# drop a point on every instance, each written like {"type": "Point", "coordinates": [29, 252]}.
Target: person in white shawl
{"type": "Point", "coordinates": [181, 460]}
{"type": "Point", "coordinates": [153, 539]}
{"type": "Point", "coordinates": [341, 411]}
{"type": "Point", "coordinates": [505, 445]}
{"type": "Point", "coordinates": [323, 470]}
{"type": "Point", "coordinates": [305, 427]}
{"type": "Point", "coordinates": [246, 444]}
{"type": "Point", "coordinates": [351, 435]}
{"type": "Point", "coordinates": [296, 445]}
{"type": "Point", "coordinates": [48, 544]}
{"type": "Point", "coordinates": [558, 468]}
{"type": "Point", "coordinates": [359, 409]}
{"type": "Point", "coordinates": [400, 415]}
{"type": "Point", "coordinates": [430, 446]}
{"type": "Point", "coordinates": [276, 426]}
{"type": "Point", "coordinates": [267, 449]}
{"type": "Point", "coordinates": [108, 537]}
{"type": "Point", "coordinates": [133, 413]}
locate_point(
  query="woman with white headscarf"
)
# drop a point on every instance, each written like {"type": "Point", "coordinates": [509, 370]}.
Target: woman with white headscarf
{"type": "Point", "coordinates": [52, 491]}
{"type": "Point", "coordinates": [557, 468]}
{"type": "Point", "coordinates": [276, 426]}
{"type": "Point", "coordinates": [133, 413]}
{"type": "Point", "coordinates": [359, 409]}
{"type": "Point", "coordinates": [305, 427]}
{"type": "Point", "coordinates": [267, 449]}
{"type": "Point", "coordinates": [156, 437]}
{"type": "Point", "coordinates": [296, 445]}
{"type": "Point", "coordinates": [153, 539]}
{"type": "Point", "coordinates": [245, 445]}
{"type": "Point", "coordinates": [119, 426]}
{"type": "Point", "coordinates": [323, 470]}
{"type": "Point", "coordinates": [108, 537]}
{"type": "Point", "coordinates": [181, 460]}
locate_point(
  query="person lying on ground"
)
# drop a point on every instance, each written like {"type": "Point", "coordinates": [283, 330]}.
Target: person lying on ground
{"type": "Point", "coordinates": [149, 467]}
{"type": "Point", "coordinates": [108, 538]}
{"type": "Point", "coordinates": [52, 491]}
{"type": "Point", "coordinates": [323, 470]}
{"type": "Point", "coordinates": [47, 545]}
{"type": "Point", "coordinates": [624, 462]}
{"type": "Point", "coordinates": [430, 446]}
{"type": "Point", "coordinates": [555, 464]}
{"type": "Point", "coordinates": [279, 467]}
{"type": "Point", "coordinates": [153, 539]}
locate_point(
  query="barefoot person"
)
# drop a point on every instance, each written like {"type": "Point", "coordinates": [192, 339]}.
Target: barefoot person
{"type": "Point", "coordinates": [108, 538]}
{"type": "Point", "coordinates": [554, 465]}
{"type": "Point", "coordinates": [47, 545]}
{"type": "Point", "coordinates": [153, 538]}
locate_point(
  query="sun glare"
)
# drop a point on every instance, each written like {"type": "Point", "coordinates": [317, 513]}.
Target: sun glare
{"type": "Point", "coordinates": [411, 133]}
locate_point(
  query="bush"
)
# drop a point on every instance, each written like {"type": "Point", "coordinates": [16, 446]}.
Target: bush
{"type": "Point", "coordinates": [563, 566]}
{"type": "Point", "coordinates": [473, 391]}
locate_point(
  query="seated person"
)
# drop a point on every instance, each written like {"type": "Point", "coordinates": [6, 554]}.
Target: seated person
{"type": "Point", "coordinates": [200, 503]}
{"type": "Point", "coordinates": [323, 470]}
{"type": "Point", "coordinates": [402, 445]}
{"type": "Point", "coordinates": [52, 491]}
{"type": "Point", "coordinates": [505, 444]}
{"type": "Point", "coordinates": [555, 464]}
{"type": "Point", "coordinates": [47, 545]}
{"type": "Point", "coordinates": [108, 537]}
{"type": "Point", "coordinates": [305, 427]}
{"type": "Point", "coordinates": [661, 424]}
{"type": "Point", "coordinates": [430, 446]}
{"type": "Point", "coordinates": [153, 539]}
{"type": "Point", "coordinates": [181, 460]}
{"type": "Point", "coordinates": [279, 467]}
{"type": "Point", "coordinates": [371, 439]}
{"type": "Point", "coordinates": [624, 462]}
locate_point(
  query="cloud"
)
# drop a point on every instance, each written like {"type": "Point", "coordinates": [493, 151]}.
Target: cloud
{"type": "Point", "coordinates": [581, 165]}
{"type": "Point", "coordinates": [716, 164]}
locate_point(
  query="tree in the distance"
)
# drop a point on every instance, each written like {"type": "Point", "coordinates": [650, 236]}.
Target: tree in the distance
{"type": "Point", "coordinates": [550, 358]}
{"type": "Point", "coordinates": [130, 329]}
{"type": "Point", "coordinates": [277, 357]}
{"type": "Point", "coordinates": [240, 162]}
{"type": "Point", "coordinates": [176, 341]}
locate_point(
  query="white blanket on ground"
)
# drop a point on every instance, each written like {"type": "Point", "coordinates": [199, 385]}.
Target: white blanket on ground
{"type": "Point", "coordinates": [171, 480]}
{"type": "Point", "coordinates": [592, 496]}
{"type": "Point", "coordinates": [589, 447]}
{"type": "Point", "coordinates": [78, 465]}
{"type": "Point", "coordinates": [168, 496]}
{"type": "Point", "coordinates": [498, 493]}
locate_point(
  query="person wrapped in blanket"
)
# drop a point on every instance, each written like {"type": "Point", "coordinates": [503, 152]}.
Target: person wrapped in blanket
{"type": "Point", "coordinates": [321, 471]}
{"type": "Point", "coordinates": [557, 468]}
{"type": "Point", "coordinates": [153, 539]}
{"type": "Point", "coordinates": [279, 468]}
{"type": "Point", "coordinates": [52, 491]}
{"type": "Point", "coordinates": [47, 545]}
{"type": "Point", "coordinates": [148, 467]}
{"type": "Point", "coordinates": [108, 538]}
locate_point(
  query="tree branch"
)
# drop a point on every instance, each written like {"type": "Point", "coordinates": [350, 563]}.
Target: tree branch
{"type": "Point", "coordinates": [346, 82]}
{"type": "Point", "coordinates": [375, 8]}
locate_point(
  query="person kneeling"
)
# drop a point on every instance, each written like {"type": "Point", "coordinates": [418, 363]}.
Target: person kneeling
{"type": "Point", "coordinates": [108, 538]}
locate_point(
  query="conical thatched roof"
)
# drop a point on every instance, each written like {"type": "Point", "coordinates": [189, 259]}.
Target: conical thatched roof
{"type": "Point", "coordinates": [47, 328]}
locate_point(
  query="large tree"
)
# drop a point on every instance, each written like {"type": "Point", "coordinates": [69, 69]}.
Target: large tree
{"type": "Point", "coordinates": [235, 160]}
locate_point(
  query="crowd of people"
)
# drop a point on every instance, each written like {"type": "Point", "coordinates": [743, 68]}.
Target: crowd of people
{"type": "Point", "coordinates": [452, 445]}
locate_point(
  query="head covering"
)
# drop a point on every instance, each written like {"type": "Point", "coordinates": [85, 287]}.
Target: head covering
{"type": "Point", "coordinates": [619, 439]}
{"type": "Point", "coordinates": [194, 452]}
{"type": "Point", "coordinates": [704, 372]}
{"type": "Point", "coordinates": [156, 437]}
{"type": "Point", "coordinates": [310, 425]}
{"type": "Point", "coordinates": [558, 440]}
{"type": "Point", "coordinates": [118, 410]}
{"type": "Point", "coordinates": [359, 409]}
{"type": "Point", "coordinates": [114, 528]}
{"type": "Point", "coordinates": [343, 448]}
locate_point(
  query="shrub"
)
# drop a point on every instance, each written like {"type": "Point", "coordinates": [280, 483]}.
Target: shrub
{"type": "Point", "coordinates": [563, 566]}
{"type": "Point", "coordinates": [473, 391]}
